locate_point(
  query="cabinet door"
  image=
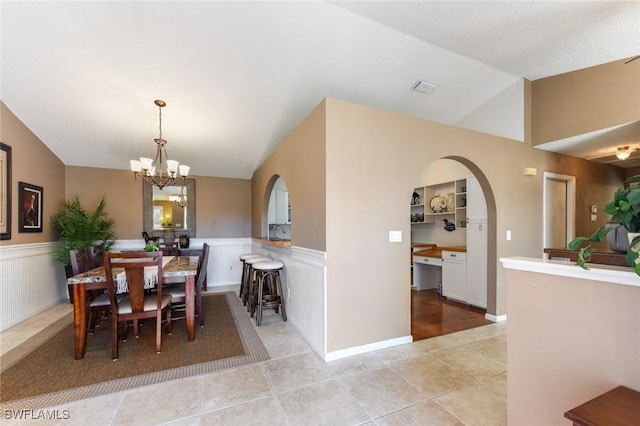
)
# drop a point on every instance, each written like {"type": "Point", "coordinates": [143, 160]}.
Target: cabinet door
{"type": "Point", "coordinates": [271, 212]}
{"type": "Point", "coordinates": [477, 263]}
{"type": "Point", "coordinates": [282, 206]}
{"type": "Point", "coordinates": [476, 205]}
{"type": "Point", "coordinates": [454, 276]}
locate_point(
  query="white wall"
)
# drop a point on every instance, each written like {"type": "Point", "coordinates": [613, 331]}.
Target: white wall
{"type": "Point", "coordinates": [503, 115]}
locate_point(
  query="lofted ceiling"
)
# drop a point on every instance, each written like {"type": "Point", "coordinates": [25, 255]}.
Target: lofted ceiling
{"type": "Point", "coordinates": [238, 77]}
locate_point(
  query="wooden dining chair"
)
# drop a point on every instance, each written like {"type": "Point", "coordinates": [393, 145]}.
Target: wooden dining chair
{"type": "Point", "coordinates": [138, 304]}
{"type": "Point", "coordinates": [169, 245]}
{"type": "Point", "coordinates": [178, 292]}
{"type": "Point", "coordinates": [83, 260]}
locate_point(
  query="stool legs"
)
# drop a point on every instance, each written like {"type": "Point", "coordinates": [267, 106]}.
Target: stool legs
{"type": "Point", "coordinates": [274, 298]}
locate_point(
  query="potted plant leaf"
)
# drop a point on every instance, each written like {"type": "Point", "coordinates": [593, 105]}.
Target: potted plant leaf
{"type": "Point", "coordinates": [624, 210]}
{"type": "Point", "coordinates": [76, 228]}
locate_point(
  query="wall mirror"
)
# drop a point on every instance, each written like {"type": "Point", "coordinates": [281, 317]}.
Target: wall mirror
{"type": "Point", "coordinates": [160, 212]}
{"type": "Point", "coordinates": [279, 212]}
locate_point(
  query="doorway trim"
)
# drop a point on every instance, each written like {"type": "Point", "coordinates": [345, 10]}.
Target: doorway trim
{"type": "Point", "coordinates": [571, 204]}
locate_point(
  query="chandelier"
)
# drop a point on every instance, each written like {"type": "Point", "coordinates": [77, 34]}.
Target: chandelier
{"type": "Point", "coordinates": [180, 200]}
{"type": "Point", "coordinates": [151, 170]}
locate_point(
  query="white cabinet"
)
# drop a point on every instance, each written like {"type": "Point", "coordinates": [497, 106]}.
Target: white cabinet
{"type": "Point", "coordinates": [454, 275]}
{"type": "Point", "coordinates": [279, 211]}
{"type": "Point", "coordinates": [476, 204]}
{"type": "Point", "coordinates": [477, 263]}
{"type": "Point", "coordinates": [477, 244]}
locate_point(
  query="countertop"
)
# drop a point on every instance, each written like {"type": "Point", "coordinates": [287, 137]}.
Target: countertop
{"type": "Point", "coordinates": [436, 252]}
{"type": "Point", "coordinates": [277, 243]}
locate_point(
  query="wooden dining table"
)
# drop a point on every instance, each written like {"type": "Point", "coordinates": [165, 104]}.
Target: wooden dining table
{"type": "Point", "coordinates": [177, 269]}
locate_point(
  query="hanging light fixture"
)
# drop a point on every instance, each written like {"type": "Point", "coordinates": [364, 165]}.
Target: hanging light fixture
{"type": "Point", "coordinates": [151, 170]}
{"type": "Point", "coordinates": [180, 200]}
{"type": "Point", "coordinates": [623, 152]}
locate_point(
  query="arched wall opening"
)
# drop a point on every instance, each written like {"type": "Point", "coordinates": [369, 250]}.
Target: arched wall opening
{"type": "Point", "coordinates": [276, 210]}
{"type": "Point", "coordinates": [491, 219]}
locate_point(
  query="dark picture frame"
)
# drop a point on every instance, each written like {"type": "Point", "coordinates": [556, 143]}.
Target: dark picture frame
{"type": "Point", "coordinates": [5, 191]}
{"type": "Point", "coordinates": [29, 207]}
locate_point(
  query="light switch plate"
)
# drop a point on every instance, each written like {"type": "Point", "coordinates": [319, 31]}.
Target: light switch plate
{"type": "Point", "coordinates": [594, 208]}
{"type": "Point", "coordinates": [395, 236]}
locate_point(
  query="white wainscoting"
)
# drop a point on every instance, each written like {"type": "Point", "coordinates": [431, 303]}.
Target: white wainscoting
{"type": "Point", "coordinates": [30, 281]}
{"type": "Point", "coordinates": [304, 281]}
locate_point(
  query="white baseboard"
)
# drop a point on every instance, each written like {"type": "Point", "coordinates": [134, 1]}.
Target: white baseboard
{"type": "Point", "coordinates": [357, 350]}
{"type": "Point", "coordinates": [494, 318]}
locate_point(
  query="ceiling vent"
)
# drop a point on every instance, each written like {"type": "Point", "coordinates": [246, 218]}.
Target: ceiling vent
{"type": "Point", "coordinates": [424, 87]}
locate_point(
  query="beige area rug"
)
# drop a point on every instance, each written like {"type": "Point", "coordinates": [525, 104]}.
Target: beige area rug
{"type": "Point", "coordinates": [42, 372]}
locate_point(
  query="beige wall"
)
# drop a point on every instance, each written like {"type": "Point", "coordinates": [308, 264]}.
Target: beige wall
{"type": "Point", "coordinates": [300, 161]}
{"type": "Point", "coordinates": [582, 101]}
{"type": "Point", "coordinates": [569, 340]}
{"type": "Point", "coordinates": [223, 205]}
{"type": "Point", "coordinates": [373, 160]}
{"type": "Point", "coordinates": [34, 163]}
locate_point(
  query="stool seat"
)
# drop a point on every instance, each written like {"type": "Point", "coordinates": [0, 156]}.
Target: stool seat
{"type": "Point", "coordinates": [267, 265]}
{"type": "Point", "coordinates": [248, 255]}
{"type": "Point", "coordinates": [253, 260]}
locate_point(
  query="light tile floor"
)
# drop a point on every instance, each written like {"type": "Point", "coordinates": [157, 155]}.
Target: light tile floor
{"type": "Point", "coordinates": [457, 379]}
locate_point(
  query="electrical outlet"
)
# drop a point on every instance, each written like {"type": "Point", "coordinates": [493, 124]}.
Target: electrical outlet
{"type": "Point", "coordinates": [594, 217]}
{"type": "Point", "coordinates": [594, 208]}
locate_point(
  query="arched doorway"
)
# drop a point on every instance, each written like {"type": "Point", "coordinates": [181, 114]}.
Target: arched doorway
{"type": "Point", "coordinates": [454, 191]}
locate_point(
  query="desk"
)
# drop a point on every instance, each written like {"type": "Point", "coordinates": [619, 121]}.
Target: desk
{"type": "Point", "coordinates": [427, 269]}
{"type": "Point", "coordinates": [179, 269]}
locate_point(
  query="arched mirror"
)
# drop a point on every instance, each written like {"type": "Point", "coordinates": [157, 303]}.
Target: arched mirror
{"type": "Point", "coordinates": [173, 207]}
{"type": "Point", "coordinates": [279, 212]}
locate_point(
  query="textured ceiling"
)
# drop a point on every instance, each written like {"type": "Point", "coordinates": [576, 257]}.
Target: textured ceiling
{"type": "Point", "coordinates": [238, 77]}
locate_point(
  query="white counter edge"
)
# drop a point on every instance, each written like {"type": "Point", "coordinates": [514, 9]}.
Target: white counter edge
{"type": "Point", "coordinates": [604, 273]}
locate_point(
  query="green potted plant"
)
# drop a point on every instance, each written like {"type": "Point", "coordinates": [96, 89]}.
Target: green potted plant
{"type": "Point", "coordinates": [152, 246]}
{"type": "Point", "coordinates": [625, 210]}
{"type": "Point", "coordinates": [76, 228]}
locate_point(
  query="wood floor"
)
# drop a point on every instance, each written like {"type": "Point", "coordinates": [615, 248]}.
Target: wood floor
{"type": "Point", "coordinates": [433, 315]}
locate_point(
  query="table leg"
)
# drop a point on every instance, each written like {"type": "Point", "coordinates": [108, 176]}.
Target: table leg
{"type": "Point", "coordinates": [79, 320]}
{"type": "Point", "coordinates": [199, 303]}
{"type": "Point", "coordinates": [189, 292]}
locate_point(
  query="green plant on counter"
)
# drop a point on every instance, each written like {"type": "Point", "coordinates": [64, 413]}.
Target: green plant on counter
{"type": "Point", "coordinates": [76, 228]}
{"type": "Point", "coordinates": [625, 210]}
{"type": "Point", "coordinates": [152, 246]}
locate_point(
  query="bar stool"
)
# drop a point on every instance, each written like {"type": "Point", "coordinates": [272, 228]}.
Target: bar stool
{"type": "Point", "coordinates": [247, 286]}
{"type": "Point", "coordinates": [268, 279]}
{"type": "Point", "coordinates": [244, 257]}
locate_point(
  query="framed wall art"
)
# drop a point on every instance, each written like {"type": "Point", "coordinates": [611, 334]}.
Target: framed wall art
{"type": "Point", "coordinates": [5, 191]}
{"type": "Point", "coordinates": [29, 208]}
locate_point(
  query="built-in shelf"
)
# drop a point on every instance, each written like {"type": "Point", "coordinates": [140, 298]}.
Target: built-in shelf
{"type": "Point", "coordinates": [452, 197]}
